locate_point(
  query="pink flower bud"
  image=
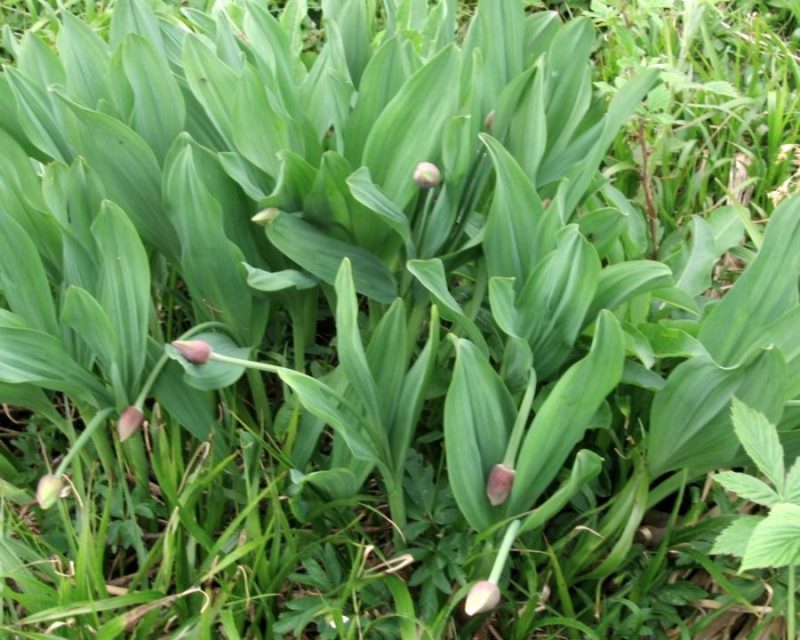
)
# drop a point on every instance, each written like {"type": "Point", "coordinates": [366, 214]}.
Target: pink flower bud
{"type": "Point", "coordinates": [483, 596]}
{"type": "Point", "coordinates": [195, 351]}
{"type": "Point", "coordinates": [427, 175]}
{"type": "Point", "coordinates": [501, 479]}
{"type": "Point", "coordinates": [48, 491]}
{"type": "Point", "coordinates": [130, 421]}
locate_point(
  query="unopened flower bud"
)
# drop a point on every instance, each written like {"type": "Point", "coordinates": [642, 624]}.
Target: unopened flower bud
{"type": "Point", "coordinates": [266, 216]}
{"type": "Point", "coordinates": [130, 421]}
{"type": "Point", "coordinates": [195, 351]}
{"type": "Point", "coordinates": [489, 121]}
{"type": "Point", "coordinates": [427, 175]}
{"type": "Point", "coordinates": [48, 491]}
{"type": "Point", "coordinates": [501, 479]}
{"type": "Point", "coordinates": [483, 596]}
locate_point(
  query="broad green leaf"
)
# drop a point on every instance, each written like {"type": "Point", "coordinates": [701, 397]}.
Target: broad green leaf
{"type": "Point", "coordinates": [388, 354]}
{"type": "Point", "coordinates": [321, 255]}
{"type": "Point", "coordinates": [406, 131]}
{"type": "Point", "coordinates": [135, 16]}
{"type": "Point", "coordinates": [212, 375]}
{"type": "Point", "coordinates": [270, 281]}
{"type": "Point", "coordinates": [478, 414]}
{"type": "Point", "coordinates": [726, 227]}
{"type": "Point", "coordinates": [386, 72]}
{"type": "Point", "coordinates": [518, 232]}
{"type": "Point", "coordinates": [765, 291]}
{"type": "Point", "coordinates": [671, 342]}
{"type": "Point", "coordinates": [259, 131]}
{"type": "Point", "coordinates": [90, 321]}
{"type": "Point", "coordinates": [129, 171]}
{"type": "Point", "coordinates": [324, 403]}
{"type": "Point", "coordinates": [192, 408]}
{"type": "Point", "coordinates": [27, 355]}
{"type": "Point", "coordinates": [23, 281]}
{"type": "Point", "coordinates": [564, 416]}
{"type": "Point", "coordinates": [621, 282]}
{"type": "Point", "coordinates": [775, 541]}
{"type": "Point", "coordinates": [159, 113]}
{"type": "Point", "coordinates": [734, 538]}
{"type": "Point", "coordinates": [352, 357]}
{"type": "Point", "coordinates": [412, 394]}
{"type": "Point", "coordinates": [40, 116]}
{"type": "Point", "coordinates": [792, 487]}
{"type": "Point", "coordinates": [353, 23]}
{"type": "Point", "coordinates": [553, 303]}
{"type": "Point", "coordinates": [694, 276]}
{"type": "Point", "coordinates": [213, 83]}
{"type": "Point", "coordinates": [367, 193]}
{"type": "Point", "coordinates": [690, 422]}
{"type": "Point", "coordinates": [760, 441]}
{"type": "Point", "coordinates": [748, 487]}
{"type": "Point", "coordinates": [86, 61]}
{"type": "Point", "coordinates": [124, 290]}
{"type": "Point", "coordinates": [431, 275]}
{"type": "Point", "coordinates": [212, 264]}
{"type": "Point", "coordinates": [586, 468]}
{"type": "Point", "coordinates": [502, 301]}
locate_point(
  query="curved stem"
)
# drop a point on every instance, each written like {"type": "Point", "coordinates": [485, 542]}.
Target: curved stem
{"type": "Point", "coordinates": [85, 436]}
{"type": "Point", "coordinates": [503, 551]}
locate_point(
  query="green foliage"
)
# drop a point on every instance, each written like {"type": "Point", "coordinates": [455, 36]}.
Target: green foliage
{"type": "Point", "coordinates": [245, 176]}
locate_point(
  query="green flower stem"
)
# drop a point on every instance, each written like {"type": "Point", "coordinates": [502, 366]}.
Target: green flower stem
{"type": "Point", "coordinates": [505, 548]}
{"type": "Point", "coordinates": [518, 430]}
{"type": "Point", "coordinates": [85, 436]}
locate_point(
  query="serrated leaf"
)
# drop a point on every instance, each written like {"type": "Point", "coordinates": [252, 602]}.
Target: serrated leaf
{"type": "Point", "coordinates": [760, 440]}
{"type": "Point", "coordinates": [748, 487]}
{"type": "Point", "coordinates": [734, 538]}
{"type": "Point", "coordinates": [775, 541]}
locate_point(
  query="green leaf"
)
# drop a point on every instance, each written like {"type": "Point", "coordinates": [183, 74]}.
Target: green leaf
{"type": "Point", "coordinates": [271, 281]}
{"type": "Point", "coordinates": [734, 538]}
{"type": "Point", "coordinates": [791, 489]}
{"type": "Point", "coordinates": [518, 232]}
{"type": "Point", "coordinates": [23, 280]}
{"type": "Point", "coordinates": [129, 171]}
{"type": "Point", "coordinates": [566, 413]}
{"type": "Point", "coordinates": [621, 282]}
{"type": "Point", "coordinates": [90, 321]}
{"type": "Point", "coordinates": [352, 358]}
{"type": "Point", "coordinates": [212, 375]}
{"type": "Point", "coordinates": [748, 487]}
{"type": "Point", "coordinates": [124, 290]}
{"type": "Point", "coordinates": [367, 193]}
{"type": "Point", "coordinates": [27, 355]}
{"type": "Point", "coordinates": [406, 132]}
{"type": "Point", "coordinates": [321, 255]}
{"type": "Point", "coordinates": [478, 415]}
{"type": "Point", "coordinates": [586, 468]}
{"type": "Point", "coordinates": [775, 541]}
{"type": "Point", "coordinates": [553, 303]}
{"type": "Point", "coordinates": [159, 112]}
{"type": "Point", "coordinates": [765, 291]}
{"type": "Point", "coordinates": [324, 403]}
{"type": "Point", "coordinates": [695, 275]}
{"type": "Point", "coordinates": [760, 441]}
{"type": "Point", "coordinates": [211, 263]}
{"type": "Point", "coordinates": [388, 353]}
{"type": "Point", "coordinates": [85, 57]}
{"type": "Point", "coordinates": [431, 275]}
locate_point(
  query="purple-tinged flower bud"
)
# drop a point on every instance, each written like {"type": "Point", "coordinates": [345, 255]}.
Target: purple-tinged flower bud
{"type": "Point", "coordinates": [130, 421]}
{"type": "Point", "coordinates": [501, 479]}
{"type": "Point", "coordinates": [483, 596]}
{"type": "Point", "coordinates": [427, 175]}
{"type": "Point", "coordinates": [195, 351]}
{"type": "Point", "coordinates": [489, 121]}
{"type": "Point", "coordinates": [49, 489]}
